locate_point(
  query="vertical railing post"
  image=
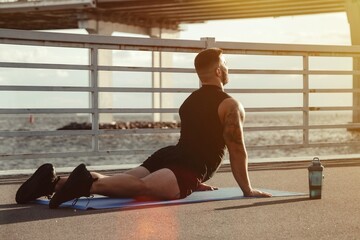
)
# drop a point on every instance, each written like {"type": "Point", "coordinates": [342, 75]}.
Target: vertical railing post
{"type": "Point", "coordinates": [306, 100]}
{"type": "Point", "coordinates": [94, 98]}
{"type": "Point", "coordinates": [154, 83]}
{"type": "Point", "coordinates": [209, 41]}
{"type": "Point", "coordinates": [356, 95]}
{"type": "Point", "coordinates": [353, 15]}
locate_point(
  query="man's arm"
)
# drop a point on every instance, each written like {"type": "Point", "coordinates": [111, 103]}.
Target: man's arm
{"type": "Point", "coordinates": [232, 115]}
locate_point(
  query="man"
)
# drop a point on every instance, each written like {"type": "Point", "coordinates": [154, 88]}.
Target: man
{"type": "Point", "coordinates": [211, 120]}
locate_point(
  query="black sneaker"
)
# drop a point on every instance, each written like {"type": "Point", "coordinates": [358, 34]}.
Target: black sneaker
{"type": "Point", "coordinates": [41, 183]}
{"type": "Point", "coordinates": [77, 185]}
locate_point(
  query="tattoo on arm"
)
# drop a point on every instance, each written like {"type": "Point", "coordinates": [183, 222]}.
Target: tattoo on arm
{"type": "Point", "coordinates": [232, 128]}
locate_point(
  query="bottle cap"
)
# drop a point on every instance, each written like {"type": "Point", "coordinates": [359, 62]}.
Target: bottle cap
{"type": "Point", "coordinates": [316, 161]}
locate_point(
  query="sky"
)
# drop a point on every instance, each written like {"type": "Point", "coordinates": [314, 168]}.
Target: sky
{"type": "Point", "coordinates": [325, 29]}
{"type": "Point", "coordinates": [331, 28]}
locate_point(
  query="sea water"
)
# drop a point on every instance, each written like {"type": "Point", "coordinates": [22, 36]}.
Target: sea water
{"type": "Point", "coordinates": [152, 142]}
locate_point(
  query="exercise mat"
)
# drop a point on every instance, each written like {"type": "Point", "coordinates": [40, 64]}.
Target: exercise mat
{"type": "Point", "coordinates": [101, 202]}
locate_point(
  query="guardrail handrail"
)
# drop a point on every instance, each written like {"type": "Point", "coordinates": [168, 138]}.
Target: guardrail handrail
{"type": "Point", "coordinates": [94, 43]}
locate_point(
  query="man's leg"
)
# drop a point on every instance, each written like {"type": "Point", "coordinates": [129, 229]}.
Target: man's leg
{"type": "Point", "coordinates": [161, 184]}
{"type": "Point", "coordinates": [138, 172]}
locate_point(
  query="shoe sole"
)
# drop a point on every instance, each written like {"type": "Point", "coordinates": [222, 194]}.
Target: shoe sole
{"type": "Point", "coordinates": [27, 191]}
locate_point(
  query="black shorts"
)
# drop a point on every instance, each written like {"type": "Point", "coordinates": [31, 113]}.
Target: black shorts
{"type": "Point", "coordinates": [170, 157]}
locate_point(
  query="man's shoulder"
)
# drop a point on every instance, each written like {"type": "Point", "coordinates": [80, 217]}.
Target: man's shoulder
{"type": "Point", "coordinates": [230, 102]}
{"type": "Point", "coordinates": [230, 105]}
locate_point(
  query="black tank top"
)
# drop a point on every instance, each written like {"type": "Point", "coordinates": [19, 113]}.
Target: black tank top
{"type": "Point", "coordinates": [201, 141]}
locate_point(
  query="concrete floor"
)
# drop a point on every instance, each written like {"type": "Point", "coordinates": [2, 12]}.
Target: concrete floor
{"type": "Point", "coordinates": [335, 216]}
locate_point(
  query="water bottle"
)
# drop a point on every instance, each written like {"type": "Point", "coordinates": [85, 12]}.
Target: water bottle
{"type": "Point", "coordinates": [315, 178]}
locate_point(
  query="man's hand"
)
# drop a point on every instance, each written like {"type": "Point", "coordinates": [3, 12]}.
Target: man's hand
{"type": "Point", "coordinates": [257, 193]}
{"type": "Point", "coordinates": [205, 187]}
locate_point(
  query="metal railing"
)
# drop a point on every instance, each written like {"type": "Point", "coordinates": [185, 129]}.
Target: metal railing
{"type": "Point", "coordinates": [94, 44]}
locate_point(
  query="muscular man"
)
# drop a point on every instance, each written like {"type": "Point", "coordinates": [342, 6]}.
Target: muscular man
{"type": "Point", "coordinates": [211, 120]}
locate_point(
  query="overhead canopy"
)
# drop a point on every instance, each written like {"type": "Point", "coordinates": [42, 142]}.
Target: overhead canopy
{"type": "Point", "coordinates": [168, 14]}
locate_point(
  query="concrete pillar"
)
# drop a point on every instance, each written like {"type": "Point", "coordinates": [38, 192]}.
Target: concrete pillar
{"type": "Point", "coordinates": [162, 80]}
{"type": "Point", "coordinates": [159, 100]}
{"type": "Point", "coordinates": [104, 58]}
{"type": "Point", "coordinates": [93, 26]}
{"type": "Point", "coordinates": [353, 15]}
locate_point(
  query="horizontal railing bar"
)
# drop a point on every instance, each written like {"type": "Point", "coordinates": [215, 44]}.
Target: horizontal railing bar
{"type": "Point", "coordinates": [76, 132]}
{"type": "Point", "coordinates": [259, 110]}
{"type": "Point", "coordinates": [233, 47]}
{"type": "Point", "coordinates": [85, 110]}
{"type": "Point", "coordinates": [273, 128]}
{"type": "Point", "coordinates": [168, 90]}
{"type": "Point", "coordinates": [310, 145]}
{"type": "Point", "coordinates": [73, 154]}
{"type": "Point", "coordinates": [45, 66]}
{"type": "Point", "coordinates": [163, 130]}
{"type": "Point", "coordinates": [329, 90]}
{"type": "Point", "coordinates": [79, 40]}
{"type": "Point", "coordinates": [291, 90]}
{"type": "Point", "coordinates": [293, 72]}
{"type": "Point", "coordinates": [334, 108]}
{"type": "Point", "coordinates": [146, 90]}
{"type": "Point", "coordinates": [332, 72]}
{"type": "Point", "coordinates": [274, 109]}
{"type": "Point", "coordinates": [273, 90]}
{"type": "Point", "coordinates": [138, 110]}
{"type": "Point", "coordinates": [149, 151]}
{"type": "Point", "coordinates": [295, 53]}
{"type": "Point", "coordinates": [351, 125]}
{"type": "Point", "coordinates": [278, 146]}
{"type": "Point", "coordinates": [46, 88]}
{"type": "Point", "coordinates": [44, 43]}
{"type": "Point", "coordinates": [45, 110]}
{"type": "Point", "coordinates": [232, 71]}
{"type": "Point", "coordinates": [138, 131]}
{"type": "Point", "coordinates": [89, 67]}
{"type": "Point", "coordinates": [106, 46]}
{"type": "Point", "coordinates": [300, 109]}
{"type": "Point", "coordinates": [189, 90]}
{"type": "Point", "coordinates": [171, 70]}
{"type": "Point", "coordinates": [172, 49]}
{"type": "Point", "coordinates": [265, 71]}
{"type": "Point", "coordinates": [48, 39]}
{"type": "Point", "coordinates": [249, 110]}
{"type": "Point", "coordinates": [301, 127]}
{"type": "Point", "coordinates": [146, 69]}
{"type": "Point", "coordinates": [162, 110]}
{"type": "Point", "coordinates": [91, 89]}
{"type": "Point", "coordinates": [47, 133]}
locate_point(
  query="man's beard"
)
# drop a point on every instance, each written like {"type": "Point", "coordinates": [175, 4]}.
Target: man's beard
{"type": "Point", "coordinates": [224, 77]}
